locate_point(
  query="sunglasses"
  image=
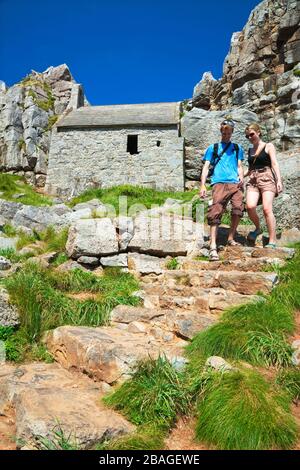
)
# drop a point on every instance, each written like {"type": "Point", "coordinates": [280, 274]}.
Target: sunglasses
{"type": "Point", "coordinates": [250, 135]}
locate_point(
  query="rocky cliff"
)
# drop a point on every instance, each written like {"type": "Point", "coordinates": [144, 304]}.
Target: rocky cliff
{"type": "Point", "coordinates": [261, 73]}
{"type": "Point", "coordinates": [28, 110]}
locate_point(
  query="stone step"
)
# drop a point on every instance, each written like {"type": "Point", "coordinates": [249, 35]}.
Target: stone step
{"type": "Point", "coordinates": [163, 324]}
{"type": "Point", "coordinates": [247, 283]}
{"type": "Point", "coordinates": [244, 264]}
{"type": "Point", "coordinates": [240, 252]}
{"type": "Point", "coordinates": [108, 353]}
{"type": "Point", "coordinates": [213, 300]}
{"type": "Point", "coordinates": [46, 395]}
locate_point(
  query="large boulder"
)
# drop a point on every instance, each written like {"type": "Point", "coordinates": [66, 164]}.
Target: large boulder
{"type": "Point", "coordinates": [92, 237]}
{"type": "Point", "coordinates": [48, 399]}
{"type": "Point", "coordinates": [107, 353]}
{"type": "Point", "coordinates": [164, 235]}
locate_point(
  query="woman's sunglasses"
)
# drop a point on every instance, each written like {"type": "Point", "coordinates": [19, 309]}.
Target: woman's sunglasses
{"type": "Point", "coordinates": [250, 135]}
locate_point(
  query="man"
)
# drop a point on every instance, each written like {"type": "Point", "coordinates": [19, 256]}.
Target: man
{"type": "Point", "coordinates": [227, 181]}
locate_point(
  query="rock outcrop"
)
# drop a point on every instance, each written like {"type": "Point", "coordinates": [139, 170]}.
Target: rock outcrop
{"type": "Point", "coordinates": [260, 73]}
{"type": "Point", "coordinates": [28, 110]}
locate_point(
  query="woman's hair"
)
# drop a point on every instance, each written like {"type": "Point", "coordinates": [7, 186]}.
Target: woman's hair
{"type": "Point", "coordinates": [254, 127]}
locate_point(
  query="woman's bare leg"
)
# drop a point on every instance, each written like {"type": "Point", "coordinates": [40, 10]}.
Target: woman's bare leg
{"type": "Point", "coordinates": [268, 197]}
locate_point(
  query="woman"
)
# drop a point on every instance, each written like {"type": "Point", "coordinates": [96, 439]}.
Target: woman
{"type": "Point", "coordinates": [264, 182]}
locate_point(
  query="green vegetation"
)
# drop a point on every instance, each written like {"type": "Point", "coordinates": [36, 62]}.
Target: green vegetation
{"type": "Point", "coordinates": [256, 332]}
{"type": "Point", "coordinates": [38, 82]}
{"type": "Point", "coordinates": [22, 145]}
{"type": "Point", "coordinates": [9, 230]}
{"type": "Point", "coordinates": [58, 440]}
{"type": "Point", "coordinates": [239, 410]}
{"type": "Point", "coordinates": [147, 437]}
{"type": "Point", "coordinates": [13, 256]}
{"type": "Point", "coordinates": [154, 394]}
{"type": "Point", "coordinates": [289, 379]}
{"type": "Point", "coordinates": [296, 73]}
{"type": "Point", "coordinates": [19, 350]}
{"type": "Point", "coordinates": [52, 120]}
{"type": "Point", "coordinates": [13, 184]}
{"type": "Point", "coordinates": [44, 297]}
{"type": "Point", "coordinates": [135, 195]}
{"type": "Point", "coordinates": [172, 264]}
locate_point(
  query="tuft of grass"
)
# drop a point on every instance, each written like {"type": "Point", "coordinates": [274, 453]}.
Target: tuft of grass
{"type": "Point", "coordinates": [42, 301]}
{"type": "Point", "coordinates": [18, 349]}
{"type": "Point", "coordinates": [55, 240]}
{"type": "Point", "coordinates": [240, 411]}
{"type": "Point", "coordinates": [147, 437]}
{"type": "Point", "coordinates": [269, 349]}
{"type": "Point", "coordinates": [13, 184]}
{"type": "Point", "coordinates": [13, 256]}
{"type": "Point", "coordinates": [135, 195]}
{"type": "Point", "coordinates": [289, 380]}
{"type": "Point", "coordinates": [58, 440]}
{"type": "Point", "coordinates": [154, 394]}
{"type": "Point", "coordinates": [9, 230]}
{"type": "Point", "coordinates": [172, 264]}
{"type": "Point", "coordinates": [60, 259]}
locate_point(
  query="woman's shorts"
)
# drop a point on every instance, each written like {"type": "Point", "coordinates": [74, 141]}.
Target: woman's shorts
{"type": "Point", "coordinates": [261, 181]}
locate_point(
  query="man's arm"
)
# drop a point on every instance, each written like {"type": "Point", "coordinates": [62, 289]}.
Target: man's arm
{"type": "Point", "coordinates": [204, 174]}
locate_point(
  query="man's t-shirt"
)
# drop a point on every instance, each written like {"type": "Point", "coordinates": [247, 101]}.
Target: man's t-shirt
{"type": "Point", "coordinates": [226, 170]}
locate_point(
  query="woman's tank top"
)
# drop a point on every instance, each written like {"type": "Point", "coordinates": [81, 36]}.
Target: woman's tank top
{"type": "Point", "coordinates": [260, 161]}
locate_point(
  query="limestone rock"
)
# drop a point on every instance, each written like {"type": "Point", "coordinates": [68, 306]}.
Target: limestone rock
{"type": "Point", "coordinates": [46, 397]}
{"type": "Point", "coordinates": [93, 237]}
{"type": "Point", "coordinates": [219, 364]}
{"type": "Point", "coordinates": [145, 264]}
{"type": "Point", "coordinates": [92, 261]}
{"type": "Point", "coordinates": [106, 354]}
{"type": "Point", "coordinates": [165, 235]}
{"type": "Point", "coordinates": [4, 263]}
{"type": "Point", "coordinates": [116, 260]}
{"type": "Point", "coordinates": [8, 313]}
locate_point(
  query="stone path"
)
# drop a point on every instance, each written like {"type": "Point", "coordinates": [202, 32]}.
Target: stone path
{"type": "Point", "coordinates": [89, 361]}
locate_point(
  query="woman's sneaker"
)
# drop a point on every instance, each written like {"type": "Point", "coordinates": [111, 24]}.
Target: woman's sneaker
{"type": "Point", "coordinates": [252, 236]}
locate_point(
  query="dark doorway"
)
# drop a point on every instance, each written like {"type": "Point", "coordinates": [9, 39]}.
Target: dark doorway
{"type": "Point", "coordinates": [132, 144]}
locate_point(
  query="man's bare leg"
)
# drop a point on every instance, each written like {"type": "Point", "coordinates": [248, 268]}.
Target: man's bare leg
{"type": "Point", "coordinates": [213, 236]}
{"type": "Point", "coordinates": [235, 220]}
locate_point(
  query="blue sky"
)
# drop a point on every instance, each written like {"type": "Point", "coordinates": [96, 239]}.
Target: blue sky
{"type": "Point", "coordinates": [121, 51]}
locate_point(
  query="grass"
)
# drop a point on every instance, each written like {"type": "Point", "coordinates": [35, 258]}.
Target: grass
{"type": "Point", "coordinates": [256, 332]}
{"type": "Point", "coordinates": [19, 350]}
{"type": "Point", "coordinates": [139, 195]}
{"type": "Point", "coordinates": [173, 264]}
{"type": "Point", "coordinates": [13, 184]}
{"type": "Point", "coordinates": [58, 440]}
{"type": "Point", "coordinates": [154, 394]}
{"type": "Point", "coordinates": [289, 379]}
{"type": "Point", "coordinates": [53, 240]}
{"type": "Point", "coordinates": [239, 410]}
{"type": "Point", "coordinates": [13, 256]}
{"type": "Point", "coordinates": [44, 302]}
{"type": "Point", "coordinates": [9, 230]}
{"type": "Point", "coordinates": [147, 437]}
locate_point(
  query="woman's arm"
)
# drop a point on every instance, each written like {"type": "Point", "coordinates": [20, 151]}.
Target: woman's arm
{"type": "Point", "coordinates": [272, 153]}
{"type": "Point", "coordinates": [241, 171]}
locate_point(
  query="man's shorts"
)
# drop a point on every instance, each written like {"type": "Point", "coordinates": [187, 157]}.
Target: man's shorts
{"type": "Point", "coordinates": [261, 181]}
{"type": "Point", "coordinates": [222, 194]}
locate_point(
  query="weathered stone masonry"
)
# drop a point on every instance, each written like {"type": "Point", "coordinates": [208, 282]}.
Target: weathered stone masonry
{"type": "Point", "coordinates": [88, 152]}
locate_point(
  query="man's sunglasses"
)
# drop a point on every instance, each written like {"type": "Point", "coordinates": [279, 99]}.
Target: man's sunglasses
{"type": "Point", "coordinates": [250, 135]}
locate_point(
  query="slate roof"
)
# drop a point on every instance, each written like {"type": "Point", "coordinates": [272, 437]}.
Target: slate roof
{"type": "Point", "coordinates": [148, 114]}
